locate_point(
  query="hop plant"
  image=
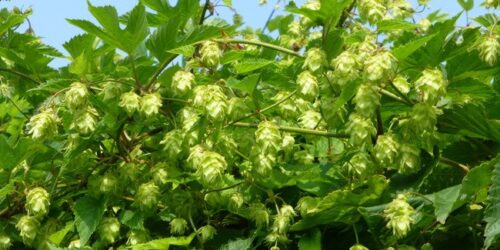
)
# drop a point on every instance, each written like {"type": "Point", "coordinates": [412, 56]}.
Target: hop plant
{"type": "Point", "coordinates": [492, 4]}
{"type": "Point", "coordinates": [372, 10]}
{"type": "Point", "coordinates": [5, 242]}
{"type": "Point", "coordinates": [489, 48]}
{"type": "Point", "coordinates": [77, 95]}
{"type": "Point", "coordinates": [236, 201]}
{"type": "Point", "coordinates": [207, 232]}
{"type": "Point", "coordinates": [367, 100]}
{"type": "Point", "coordinates": [260, 214]}
{"type": "Point", "coordinates": [188, 118]}
{"type": "Point", "coordinates": [178, 226]}
{"type": "Point", "coordinates": [287, 143]}
{"type": "Point", "coordinates": [358, 247]}
{"type": "Point", "coordinates": [237, 108]}
{"type": "Point", "coordinates": [6, 90]}
{"type": "Point", "coordinates": [424, 118]}
{"type": "Point", "coordinates": [365, 49]}
{"type": "Point", "coordinates": [182, 82]}
{"type": "Point", "coordinates": [303, 157]}
{"type": "Point", "coordinates": [43, 124]}
{"type": "Point", "coordinates": [268, 137]}
{"type": "Point", "coordinates": [307, 85]}
{"type": "Point", "coordinates": [173, 143]}
{"type": "Point", "coordinates": [311, 120]}
{"type": "Point", "coordinates": [28, 227]}
{"type": "Point", "coordinates": [399, 216]}
{"type": "Point", "coordinates": [315, 59]}
{"type": "Point", "coordinates": [106, 184]}
{"type": "Point", "coordinates": [424, 24]}
{"type": "Point", "coordinates": [37, 202]}
{"type": "Point", "coordinates": [361, 130]}
{"type": "Point", "coordinates": [431, 85]}
{"type": "Point", "coordinates": [281, 224]}
{"type": "Point", "coordinates": [360, 165]}
{"type": "Point", "coordinates": [212, 100]}
{"type": "Point", "coordinates": [109, 229]}
{"type": "Point", "coordinates": [210, 54]}
{"type": "Point", "coordinates": [263, 162]}
{"type": "Point", "coordinates": [210, 167]}
{"type": "Point", "coordinates": [386, 150]}
{"type": "Point", "coordinates": [346, 65]}
{"type": "Point", "coordinates": [287, 108]}
{"type": "Point", "coordinates": [130, 101]}
{"type": "Point", "coordinates": [409, 159]}
{"type": "Point", "coordinates": [150, 104]}
{"type": "Point", "coordinates": [400, 8]}
{"type": "Point", "coordinates": [379, 66]}
{"type": "Point", "coordinates": [147, 195]}
{"type": "Point", "coordinates": [137, 237]}
{"type": "Point", "coordinates": [85, 121]}
{"type": "Point", "coordinates": [401, 84]}
{"type": "Point", "coordinates": [312, 5]}
{"type": "Point", "coordinates": [111, 90]}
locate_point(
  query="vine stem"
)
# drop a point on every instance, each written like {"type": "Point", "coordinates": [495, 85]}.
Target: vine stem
{"type": "Point", "coordinates": [21, 75]}
{"type": "Point", "coordinates": [222, 189]}
{"type": "Point", "coordinates": [296, 130]}
{"type": "Point", "coordinates": [455, 164]}
{"type": "Point", "coordinates": [393, 96]}
{"type": "Point", "coordinates": [264, 109]}
{"type": "Point", "coordinates": [17, 107]}
{"type": "Point", "coordinates": [262, 44]}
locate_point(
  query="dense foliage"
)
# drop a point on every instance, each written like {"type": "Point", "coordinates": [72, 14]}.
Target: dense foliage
{"type": "Point", "coordinates": [340, 125]}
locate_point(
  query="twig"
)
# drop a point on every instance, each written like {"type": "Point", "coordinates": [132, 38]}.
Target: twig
{"type": "Point", "coordinates": [224, 188]}
{"type": "Point", "coordinates": [262, 44]}
{"type": "Point", "coordinates": [270, 17]}
{"type": "Point", "coordinates": [296, 130]}
{"type": "Point", "coordinates": [455, 164]}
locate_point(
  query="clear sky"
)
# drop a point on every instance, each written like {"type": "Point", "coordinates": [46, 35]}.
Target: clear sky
{"type": "Point", "coordinates": [49, 16]}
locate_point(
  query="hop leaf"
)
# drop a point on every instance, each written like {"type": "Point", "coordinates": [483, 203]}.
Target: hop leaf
{"type": "Point", "coordinates": [37, 202]}
{"type": "Point", "coordinates": [28, 227]}
{"type": "Point", "coordinates": [182, 82]}
{"type": "Point", "coordinates": [150, 104]}
{"type": "Point", "coordinates": [178, 226]}
{"type": "Point", "coordinates": [43, 124]}
{"type": "Point", "coordinates": [399, 216]}
{"type": "Point", "coordinates": [77, 95]}
{"type": "Point", "coordinates": [109, 229]}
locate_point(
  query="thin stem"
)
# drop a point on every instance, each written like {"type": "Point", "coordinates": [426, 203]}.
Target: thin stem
{"type": "Point", "coordinates": [160, 69]}
{"type": "Point", "coordinates": [296, 130]}
{"type": "Point", "coordinates": [355, 233]}
{"type": "Point", "coordinates": [262, 44]}
{"type": "Point", "coordinates": [455, 164]}
{"type": "Point", "coordinates": [224, 188]}
{"type": "Point", "coordinates": [407, 100]}
{"type": "Point", "coordinates": [21, 75]}
{"type": "Point", "coordinates": [134, 72]}
{"type": "Point", "coordinates": [17, 107]}
{"type": "Point", "coordinates": [270, 17]}
{"type": "Point", "coordinates": [393, 96]}
{"type": "Point", "coordinates": [264, 109]}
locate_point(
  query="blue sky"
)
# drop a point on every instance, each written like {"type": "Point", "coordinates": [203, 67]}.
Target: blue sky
{"type": "Point", "coordinates": [49, 16]}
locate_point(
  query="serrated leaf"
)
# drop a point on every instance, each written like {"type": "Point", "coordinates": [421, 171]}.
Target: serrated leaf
{"type": "Point", "coordinates": [492, 213]}
{"type": "Point", "coordinates": [444, 201]}
{"type": "Point", "coordinates": [162, 244]}
{"type": "Point", "coordinates": [250, 65]}
{"type": "Point", "coordinates": [11, 21]}
{"type": "Point", "coordinates": [58, 236]}
{"type": "Point", "coordinates": [311, 241]}
{"type": "Point", "coordinates": [394, 24]}
{"type": "Point", "coordinates": [7, 154]}
{"type": "Point", "coordinates": [246, 84]}
{"type": "Point", "coordinates": [466, 4]}
{"type": "Point", "coordinates": [88, 214]}
{"type": "Point", "coordinates": [402, 52]}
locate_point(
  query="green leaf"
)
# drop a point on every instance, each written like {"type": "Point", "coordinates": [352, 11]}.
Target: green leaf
{"type": "Point", "coordinates": [469, 120]}
{"type": "Point", "coordinates": [7, 154]}
{"type": "Point", "coordinates": [58, 236]}
{"type": "Point", "coordinates": [444, 201]}
{"type": "Point", "coordinates": [492, 212]}
{"type": "Point", "coordinates": [466, 4]}
{"type": "Point", "coordinates": [238, 244]}
{"type": "Point", "coordinates": [162, 244]}
{"type": "Point", "coordinates": [246, 85]}
{"type": "Point", "coordinates": [477, 179]}
{"type": "Point", "coordinates": [347, 93]}
{"type": "Point", "coordinates": [11, 21]}
{"type": "Point", "coordinates": [250, 65]}
{"type": "Point", "coordinates": [394, 24]}
{"type": "Point", "coordinates": [402, 52]}
{"type": "Point", "coordinates": [228, 3]}
{"type": "Point", "coordinates": [88, 214]}
{"type": "Point", "coordinates": [311, 241]}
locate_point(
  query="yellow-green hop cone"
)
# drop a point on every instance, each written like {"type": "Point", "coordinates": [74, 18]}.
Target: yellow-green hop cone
{"type": "Point", "coordinates": [211, 167]}
{"type": "Point", "coordinates": [28, 228]}
{"type": "Point", "coordinates": [5, 242]}
{"type": "Point", "coordinates": [431, 85]}
{"type": "Point", "coordinates": [259, 214]}
{"type": "Point", "coordinates": [315, 59]}
{"type": "Point", "coordinates": [371, 10]}
{"type": "Point", "coordinates": [236, 201]}
{"type": "Point", "coordinates": [237, 108]}
{"type": "Point", "coordinates": [263, 163]}
{"type": "Point", "coordinates": [268, 137]}
{"type": "Point", "coordinates": [424, 118]}
{"type": "Point", "coordinates": [399, 216]}
{"type": "Point", "coordinates": [150, 104]}
{"type": "Point", "coordinates": [85, 120]}
{"type": "Point", "coordinates": [361, 130]}
{"type": "Point", "coordinates": [182, 82]}
{"type": "Point", "coordinates": [386, 150]}
{"type": "Point", "coordinates": [212, 100]}
{"type": "Point", "coordinates": [409, 159]}
{"type": "Point", "coordinates": [360, 165]}
{"type": "Point", "coordinates": [44, 124]}
{"type": "Point", "coordinates": [77, 96]}
{"type": "Point", "coordinates": [37, 202]}
{"type": "Point", "coordinates": [379, 66]}
{"type": "Point", "coordinates": [173, 141]}
{"type": "Point", "coordinates": [489, 49]}
{"type": "Point", "coordinates": [311, 120]}
{"type": "Point", "coordinates": [367, 100]}
{"type": "Point", "coordinates": [6, 90]}
{"type": "Point", "coordinates": [401, 84]}
{"type": "Point", "coordinates": [210, 54]}
{"type": "Point", "coordinates": [178, 226]}
{"type": "Point", "coordinates": [147, 196]}
{"type": "Point", "coordinates": [109, 229]}
{"type": "Point", "coordinates": [307, 85]}
{"type": "Point", "coordinates": [347, 65]}
{"type": "Point", "coordinates": [492, 4]}
{"type": "Point", "coordinates": [207, 232]}
{"type": "Point", "coordinates": [303, 157]}
{"type": "Point", "coordinates": [130, 101]}
{"type": "Point", "coordinates": [137, 237]}
{"type": "Point", "coordinates": [358, 247]}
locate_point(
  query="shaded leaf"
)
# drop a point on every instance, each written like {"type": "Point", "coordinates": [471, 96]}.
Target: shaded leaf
{"type": "Point", "coordinates": [88, 214]}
